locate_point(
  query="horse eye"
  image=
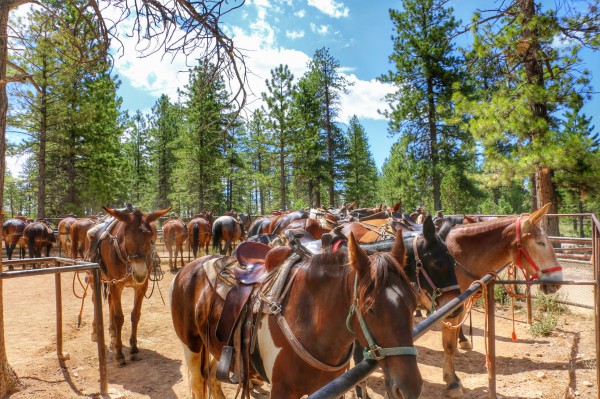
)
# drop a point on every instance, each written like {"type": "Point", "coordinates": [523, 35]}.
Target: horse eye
{"type": "Point", "coordinates": [543, 244]}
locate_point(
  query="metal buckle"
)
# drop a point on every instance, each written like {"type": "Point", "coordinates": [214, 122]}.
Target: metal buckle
{"type": "Point", "coordinates": [437, 293]}
{"type": "Point", "coordinates": [274, 308]}
{"type": "Point", "coordinates": [376, 353]}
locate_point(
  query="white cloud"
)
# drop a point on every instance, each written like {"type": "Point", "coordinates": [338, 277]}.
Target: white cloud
{"type": "Point", "coordinates": [294, 34]}
{"type": "Point", "coordinates": [319, 29]}
{"type": "Point", "coordinates": [330, 7]}
{"type": "Point", "coordinates": [364, 99]}
{"type": "Point", "coordinates": [16, 163]}
{"type": "Point", "coordinates": [300, 13]}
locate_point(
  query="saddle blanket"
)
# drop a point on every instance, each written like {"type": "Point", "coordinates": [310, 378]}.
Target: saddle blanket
{"type": "Point", "coordinates": [219, 272]}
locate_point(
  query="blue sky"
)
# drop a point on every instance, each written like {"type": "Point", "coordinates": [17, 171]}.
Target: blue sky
{"type": "Point", "coordinates": [272, 32]}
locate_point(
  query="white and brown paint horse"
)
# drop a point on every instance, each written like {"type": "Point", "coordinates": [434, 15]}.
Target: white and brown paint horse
{"type": "Point", "coordinates": [485, 247]}
{"type": "Point", "coordinates": [318, 307]}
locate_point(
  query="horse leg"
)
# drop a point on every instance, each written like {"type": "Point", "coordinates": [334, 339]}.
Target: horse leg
{"type": "Point", "coordinates": [116, 320]}
{"type": "Point", "coordinates": [48, 248]}
{"type": "Point", "coordinates": [170, 249]}
{"type": "Point", "coordinates": [228, 247]}
{"type": "Point", "coordinates": [181, 254]}
{"type": "Point", "coordinates": [463, 341]}
{"type": "Point", "coordinates": [449, 341]}
{"type": "Point", "coordinates": [9, 250]}
{"type": "Point", "coordinates": [136, 313]}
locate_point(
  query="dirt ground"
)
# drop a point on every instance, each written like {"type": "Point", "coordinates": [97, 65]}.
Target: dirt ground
{"type": "Point", "coordinates": [529, 368]}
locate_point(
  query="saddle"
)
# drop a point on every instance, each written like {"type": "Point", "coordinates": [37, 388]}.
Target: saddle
{"type": "Point", "coordinates": [303, 243]}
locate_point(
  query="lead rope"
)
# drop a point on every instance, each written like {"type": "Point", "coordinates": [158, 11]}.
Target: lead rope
{"type": "Point", "coordinates": [82, 297]}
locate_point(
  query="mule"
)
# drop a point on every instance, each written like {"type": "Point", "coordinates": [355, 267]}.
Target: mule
{"type": "Point", "coordinates": [39, 236]}
{"type": "Point", "coordinates": [310, 225]}
{"type": "Point", "coordinates": [333, 299]}
{"type": "Point", "coordinates": [200, 233]}
{"type": "Point", "coordinates": [64, 233]}
{"type": "Point", "coordinates": [281, 222]}
{"type": "Point", "coordinates": [228, 229]}
{"type": "Point", "coordinates": [79, 237]}
{"type": "Point", "coordinates": [125, 257]}
{"type": "Point", "coordinates": [12, 233]}
{"type": "Point", "coordinates": [485, 247]}
{"type": "Point", "coordinates": [260, 225]}
{"type": "Point", "coordinates": [174, 235]}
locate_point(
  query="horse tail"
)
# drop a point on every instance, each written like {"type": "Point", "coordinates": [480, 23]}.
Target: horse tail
{"type": "Point", "coordinates": [217, 231]}
{"type": "Point", "coordinates": [195, 235]}
{"type": "Point", "coordinates": [254, 229]}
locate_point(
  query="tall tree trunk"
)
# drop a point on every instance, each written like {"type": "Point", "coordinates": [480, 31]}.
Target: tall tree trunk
{"type": "Point", "coordinates": [330, 144]}
{"type": "Point", "coordinates": [433, 155]}
{"type": "Point", "coordinates": [318, 193]}
{"type": "Point", "coordinates": [311, 185]}
{"type": "Point", "coordinates": [580, 207]}
{"type": "Point", "coordinates": [545, 187]}
{"type": "Point", "coordinates": [534, 196]}
{"type": "Point", "coordinates": [41, 206]}
{"type": "Point", "coordinates": [282, 172]}
{"type": "Point", "coordinates": [8, 378]}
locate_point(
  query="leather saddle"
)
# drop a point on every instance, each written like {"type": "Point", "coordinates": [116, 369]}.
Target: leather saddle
{"type": "Point", "coordinates": [303, 242]}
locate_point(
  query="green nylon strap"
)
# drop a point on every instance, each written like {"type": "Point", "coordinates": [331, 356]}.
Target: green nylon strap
{"type": "Point", "coordinates": [374, 351]}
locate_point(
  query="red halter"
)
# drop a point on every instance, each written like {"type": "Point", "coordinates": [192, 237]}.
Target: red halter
{"type": "Point", "coordinates": [521, 251]}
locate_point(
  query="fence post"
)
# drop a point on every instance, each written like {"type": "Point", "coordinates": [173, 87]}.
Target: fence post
{"type": "Point", "coordinates": [596, 259]}
{"type": "Point", "coordinates": [100, 331]}
{"type": "Point", "coordinates": [491, 339]}
{"type": "Point", "coordinates": [59, 318]}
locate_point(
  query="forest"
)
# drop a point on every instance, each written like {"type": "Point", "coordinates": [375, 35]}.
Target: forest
{"type": "Point", "coordinates": [493, 127]}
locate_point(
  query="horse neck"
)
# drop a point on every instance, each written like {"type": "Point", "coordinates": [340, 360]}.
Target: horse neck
{"type": "Point", "coordinates": [323, 301]}
{"type": "Point", "coordinates": [482, 248]}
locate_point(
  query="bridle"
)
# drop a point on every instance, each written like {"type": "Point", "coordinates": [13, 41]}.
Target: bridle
{"type": "Point", "coordinates": [521, 251]}
{"type": "Point", "coordinates": [436, 292]}
{"type": "Point", "coordinates": [126, 258]}
{"type": "Point", "coordinates": [374, 351]}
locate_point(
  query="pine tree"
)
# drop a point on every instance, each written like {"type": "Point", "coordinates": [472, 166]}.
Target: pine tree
{"type": "Point", "coordinates": [361, 172]}
{"type": "Point", "coordinates": [164, 139]}
{"type": "Point", "coordinates": [426, 68]}
{"type": "Point", "coordinates": [256, 142]}
{"type": "Point", "coordinates": [137, 158]}
{"type": "Point", "coordinates": [330, 85]}
{"type": "Point", "coordinates": [279, 100]}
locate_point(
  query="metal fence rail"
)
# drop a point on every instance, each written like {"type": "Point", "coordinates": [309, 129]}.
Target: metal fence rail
{"type": "Point", "coordinates": [68, 265]}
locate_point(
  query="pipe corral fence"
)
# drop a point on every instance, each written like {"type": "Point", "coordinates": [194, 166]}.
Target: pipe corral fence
{"type": "Point", "coordinates": [578, 254]}
{"type": "Point", "coordinates": [65, 265]}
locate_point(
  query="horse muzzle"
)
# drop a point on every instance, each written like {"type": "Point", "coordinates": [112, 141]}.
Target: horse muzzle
{"type": "Point", "coordinates": [139, 271]}
{"type": "Point", "coordinates": [406, 385]}
{"type": "Point", "coordinates": [550, 282]}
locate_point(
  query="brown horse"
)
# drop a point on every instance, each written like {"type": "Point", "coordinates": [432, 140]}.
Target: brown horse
{"type": "Point", "coordinates": [174, 235]}
{"type": "Point", "coordinates": [485, 247]}
{"type": "Point", "coordinates": [64, 233]}
{"type": "Point", "coordinates": [125, 258]}
{"type": "Point", "coordinates": [12, 233]}
{"type": "Point", "coordinates": [78, 236]}
{"type": "Point", "coordinates": [311, 225]}
{"type": "Point", "coordinates": [38, 236]}
{"type": "Point", "coordinates": [333, 299]}
{"type": "Point", "coordinates": [261, 225]}
{"type": "Point", "coordinates": [373, 231]}
{"type": "Point", "coordinates": [228, 229]}
{"type": "Point", "coordinates": [200, 233]}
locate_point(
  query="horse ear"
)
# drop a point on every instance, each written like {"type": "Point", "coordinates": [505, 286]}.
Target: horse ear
{"type": "Point", "coordinates": [399, 250]}
{"type": "Point", "coordinates": [538, 215]}
{"type": "Point", "coordinates": [429, 229]}
{"type": "Point", "coordinates": [351, 206]}
{"type": "Point", "coordinates": [444, 230]}
{"type": "Point", "coordinates": [380, 207]}
{"type": "Point", "coordinates": [123, 216]}
{"type": "Point", "coordinates": [359, 260]}
{"type": "Point", "coordinates": [397, 207]}
{"type": "Point", "coordinates": [151, 217]}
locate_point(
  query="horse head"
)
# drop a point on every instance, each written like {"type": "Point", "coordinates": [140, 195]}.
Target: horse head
{"type": "Point", "coordinates": [384, 303]}
{"type": "Point", "coordinates": [433, 266]}
{"type": "Point", "coordinates": [138, 233]}
{"type": "Point", "coordinates": [534, 251]}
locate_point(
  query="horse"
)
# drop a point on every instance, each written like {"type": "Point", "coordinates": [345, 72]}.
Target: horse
{"type": "Point", "coordinates": [430, 267]}
{"type": "Point", "coordinates": [375, 230]}
{"type": "Point", "coordinates": [39, 235]}
{"type": "Point", "coordinates": [64, 236]}
{"type": "Point", "coordinates": [333, 299]}
{"type": "Point", "coordinates": [485, 247]}
{"type": "Point", "coordinates": [200, 233]}
{"type": "Point", "coordinates": [125, 258]}
{"type": "Point", "coordinates": [273, 240]}
{"type": "Point", "coordinates": [228, 229]}
{"type": "Point", "coordinates": [281, 222]}
{"type": "Point", "coordinates": [79, 236]}
{"type": "Point", "coordinates": [174, 234]}
{"type": "Point", "coordinates": [310, 225]}
{"type": "Point", "coordinates": [260, 225]}
{"type": "Point", "coordinates": [12, 233]}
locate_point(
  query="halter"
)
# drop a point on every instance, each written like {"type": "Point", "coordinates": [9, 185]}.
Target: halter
{"type": "Point", "coordinates": [521, 251]}
{"type": "Point", "coordinates": [436, 292]}
{"type": "Point", "coordinates": [374, 351]}
{"type": "Point", "coordinates": [125, 259]}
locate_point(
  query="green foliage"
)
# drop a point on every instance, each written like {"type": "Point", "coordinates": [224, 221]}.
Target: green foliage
{"type": "Point", "coordinates": [547, 308]}
{"type": "Point", "coordinates": [543, 325]}
{"type": "Point", "coordinates": [361, 172]}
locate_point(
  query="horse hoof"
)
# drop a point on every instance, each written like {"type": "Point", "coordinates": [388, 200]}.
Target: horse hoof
{"type": "Point", "coordinates": [120, 361]}
{"type": "Point", "coordinates": [466, 345]}
{"type": "Point", "coordinates": [455, 393]}
{"type": "Point", "coordinates": [256, 383]}
{"type": "Point", "coordinates": [134, 357]}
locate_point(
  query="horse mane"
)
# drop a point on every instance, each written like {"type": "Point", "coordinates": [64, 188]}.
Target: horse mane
{"type": "Point", "coordinates": [486, 226]}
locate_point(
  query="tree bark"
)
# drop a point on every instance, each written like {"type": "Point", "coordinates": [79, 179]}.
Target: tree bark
{"type": "Point", "coordinates": [8, 378]}
{"type": "Point", "coordinates": [41, 198]}
{"type": "Point", "coordinates": [435, 174]}
{"type": "Point", "coordinates": [282, 172]}
{"type": "Point", "coordinates": [534, 70]}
